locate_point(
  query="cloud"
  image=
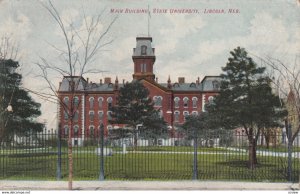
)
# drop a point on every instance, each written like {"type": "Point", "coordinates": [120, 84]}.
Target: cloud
{"type": "Point", "coordinates": [181, 26]}
{"type": "Point", "coordinates": [17, 29]}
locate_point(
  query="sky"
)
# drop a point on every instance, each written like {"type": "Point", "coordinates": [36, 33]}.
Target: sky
{"type": "Point", "coordinates": [189, 45]}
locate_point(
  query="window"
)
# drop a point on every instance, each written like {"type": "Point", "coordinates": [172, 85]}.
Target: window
{"type": "Point", "coordinates": [185, 114]}
{"type": "Point", "coordinates": [143, 50]}
{"type": "Point", "coordinates": [160, 113]}
{"type": "Point", "coordinates": [143, 67]}
{"type": "Point", "coordinates": [66, 130]}
{"type": "Point", "coordinates": [211, 99]}
{"type": "Point", "coordinates": [216, 85]}
{"type": "Point", "coordinates": [92, 115]}
{"type": "Point", "coordinates": [76, 101]}
{"type": "Point", "coordinates": [109, 102]}
{"type": "Point", "coordinates": [176, 116]}
{"type": "Point", "coordinates": [109, 115]}
{"type": "Point", "coordinates": [76, 130]}
{"type": "Point", "coordinates": [185, 102]}
{"type": "Point", "coordinates": [100, 102]}
{"type": "Point", "coordinates": [91, 103]}
{"type": "Point", "coordinates": [76, 116]}
{"type": "Point", "coordinates": [66, 101]}
{"type": "Point", "coordinates": [194, 99]}
{"type": "Point", "coordinates": [176, 100]}
{"type": "Point", "coordinates": [157, 100]}
{"type": "Point", "coordinates": [195, 113]}
{"type": "Point", "coordinates": [92, 131]}
{"type": "Point", "coordinates": [100, 113]}
{"type": "Point", "coordinates": [66, 116]}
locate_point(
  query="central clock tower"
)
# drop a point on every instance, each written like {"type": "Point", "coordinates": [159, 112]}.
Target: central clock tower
{"type": "Point", "coordinates": [143, 58]}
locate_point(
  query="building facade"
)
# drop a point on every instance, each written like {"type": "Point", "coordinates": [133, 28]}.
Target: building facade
{"type": "Point", "coordinates": [92, 101]}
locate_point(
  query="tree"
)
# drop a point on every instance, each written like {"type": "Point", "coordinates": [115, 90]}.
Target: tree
{"type": "Point", "coordinates": [134, 108]}
{"type": "Point", "coordinates": [83, 40]}
{"type": "Point", "coordinates": [246, 100]}
{"type": "Point", "coordinates": [286, 83]}
{"type": "Point", "coordinates": [203, 126]}
{"type": "Point", "coordinates": [154, 127]}
{"type": "Point", "coordinates": [21, 120]}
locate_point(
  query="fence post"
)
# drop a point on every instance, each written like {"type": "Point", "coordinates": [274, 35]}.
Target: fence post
{"type": "Point", "coordinates": [290, 150]}
{"type": "Point", "coordinates": [101, 176]}
{"type": "Point", "coordinates": [58, 172]}
{"type": "Point", "coordinates": [195, 165]}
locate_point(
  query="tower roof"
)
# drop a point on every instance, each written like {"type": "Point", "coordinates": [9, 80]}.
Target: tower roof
{"type": "Point", "coordinates": [140, 42]}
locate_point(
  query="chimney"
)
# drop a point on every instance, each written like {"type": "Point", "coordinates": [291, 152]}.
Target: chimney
{"type": "Point", "coordinates": [123, 81]}
{"type": "Point", "coordinates": [87, 80]}
{"type": "Point", "coordinates": [107, 80]}
{"type": "Point", "coordinates": [156, 79]}
{"type": "Point", "coordinates": [101, 82]}
{"type": "Point", "coordinates": [181, 80]}
{"type": "Point", "coordinates": [116, 83]}
{"type": "Point", "coordinates": [169, 82]}
{"type": "Point", "coordinates": [198, 81]}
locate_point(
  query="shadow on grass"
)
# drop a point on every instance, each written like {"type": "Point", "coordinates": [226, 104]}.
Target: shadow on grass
{"type": "Point", "coordinates": [245, 164]}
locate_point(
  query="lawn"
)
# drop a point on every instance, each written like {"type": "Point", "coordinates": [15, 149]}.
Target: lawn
{"type": "Point", "coordinates": [225, 165]}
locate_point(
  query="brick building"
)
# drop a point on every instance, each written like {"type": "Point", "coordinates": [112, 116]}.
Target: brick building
{"type": "Point", "coordinates": [174, 99]}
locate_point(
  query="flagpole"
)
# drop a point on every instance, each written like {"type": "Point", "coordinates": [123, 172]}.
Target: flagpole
{"type": "Point", "coordinates": [148, 21]}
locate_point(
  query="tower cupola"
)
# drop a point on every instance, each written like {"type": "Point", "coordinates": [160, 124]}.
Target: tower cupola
{"type": "Point", "coordinates": [143, 58]}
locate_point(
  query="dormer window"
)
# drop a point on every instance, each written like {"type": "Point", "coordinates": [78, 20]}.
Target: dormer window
{"type": "Point", "coordinates": [143, 50]}
{"type": "Point", "coordinates": [216, 85]}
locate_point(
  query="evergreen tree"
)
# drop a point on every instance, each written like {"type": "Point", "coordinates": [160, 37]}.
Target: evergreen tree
{"type": "Point", "coordinates": [21, 120]}
{"type": "Point", "coordinates": [203, 126]}
{"type": "Point", "coordinates": [134, 108]}
{"type": "Point", "coordinates": [246, 100]}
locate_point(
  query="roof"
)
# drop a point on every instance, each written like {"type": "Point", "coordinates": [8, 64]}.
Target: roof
{"type": "Point", "coordinates": [209, 83]}
{"type": "Point", "coordinates": [183, 86]}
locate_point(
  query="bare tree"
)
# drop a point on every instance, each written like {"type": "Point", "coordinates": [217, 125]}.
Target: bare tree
{"type": "Point", "coordinates": [286, 81]}
{"type": "Point", "coordinates": [81, 46]}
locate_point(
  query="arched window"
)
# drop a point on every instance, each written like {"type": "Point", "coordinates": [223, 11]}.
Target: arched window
{"type": "Point", "coordinates": [76, 130]}
{"type": "Point", "coordinates": [66, 116]}
{"type": "Point", "coordinates": [92, 131]}
{"type": "Point", "coordinates": [211, 99]}
{"type": "Point", "coordinates": [143, 50]}
{"type": "Point", "coordinates": [66, 101]}
{"type": "Point", "coordinates": [91, 103]}
{"type": "Point", "coordinates": [92, 115]}
{"type": "Point", "coordinates": [100, 114]}
{"type": "Point", "coordinates": [100, 102]}
{"type": "Point", "coordinates": [185, 114]}
{"type": "Point", "coordinates": [176, 116]}
{"type": "Point", "coordinates": [195, 100]}
{"type": "Point", "coordinates": [176, 101]}
{"type": "Point", "coordinates": [157, 100]}
{"type": "Point", "coordinates": [76, 116]}
{"type": "Point", "coordinates": [109, 115]}
{"type": "Point", "coordinates": [195, 113]}
{"type": "Point", "coordinates": [109, 102]}
{"type": "Point", "coordinates": [76, 101]}
{"type": "Point", "coordinates": [66, 130]}
{"type": "Point", "coordinates": [185, 102]}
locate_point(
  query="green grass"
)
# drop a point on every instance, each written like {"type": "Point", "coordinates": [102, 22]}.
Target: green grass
{"type": "Point", "coordinates": [142, 166]}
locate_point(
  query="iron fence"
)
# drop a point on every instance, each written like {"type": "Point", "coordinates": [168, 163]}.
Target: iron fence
{"type": "Point", "coordinates": [222, 156]}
